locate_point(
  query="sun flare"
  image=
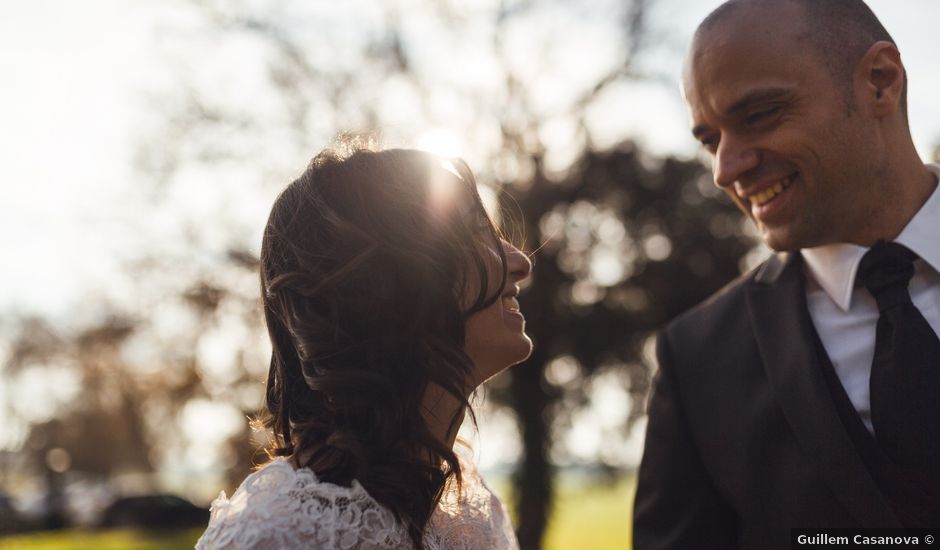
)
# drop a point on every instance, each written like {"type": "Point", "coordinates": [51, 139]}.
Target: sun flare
{"type": "Point", "coordinates": [441, 142]}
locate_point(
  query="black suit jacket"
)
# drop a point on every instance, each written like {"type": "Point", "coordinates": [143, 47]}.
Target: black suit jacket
{"type": "Point", "coordinates": [744, 441]}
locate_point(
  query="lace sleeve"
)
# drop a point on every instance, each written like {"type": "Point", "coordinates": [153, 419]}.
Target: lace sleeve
{"type": "Point", "coordinates": [278, 508]}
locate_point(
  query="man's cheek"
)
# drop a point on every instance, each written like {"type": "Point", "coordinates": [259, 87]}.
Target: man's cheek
{"type": "Point", "coordinates": [742, 204]}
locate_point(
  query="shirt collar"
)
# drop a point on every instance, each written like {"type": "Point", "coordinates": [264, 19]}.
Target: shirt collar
{"type": "Point", "coordinates": [833, 266]}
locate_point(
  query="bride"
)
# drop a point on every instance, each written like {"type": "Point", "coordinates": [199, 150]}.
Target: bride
{"type": "Point", "coordinates": [389, 296]}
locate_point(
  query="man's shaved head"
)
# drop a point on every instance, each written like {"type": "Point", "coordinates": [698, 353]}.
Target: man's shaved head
{"type": "Point", "coordinates": [840, 31]}
{"type": "Point", "coordinates": [801, 105]}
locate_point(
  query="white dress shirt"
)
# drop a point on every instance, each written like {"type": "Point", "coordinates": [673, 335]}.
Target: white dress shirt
{"type": "Point", "coordinates": [845, 315]}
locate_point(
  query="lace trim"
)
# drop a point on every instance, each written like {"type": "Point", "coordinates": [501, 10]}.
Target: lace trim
{"type": "Point", "coordinates": [279, 507]}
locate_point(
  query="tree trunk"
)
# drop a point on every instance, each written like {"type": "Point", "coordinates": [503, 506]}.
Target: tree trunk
{"type": "Point", "coordinates": [533, 478]}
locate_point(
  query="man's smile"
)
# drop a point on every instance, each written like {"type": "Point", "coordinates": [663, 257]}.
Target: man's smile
{"type": "Point", "coordinates": [768, 193]}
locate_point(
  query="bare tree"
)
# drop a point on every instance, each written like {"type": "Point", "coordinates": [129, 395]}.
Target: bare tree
{"type": "Point", "coordinates": [622, 241]}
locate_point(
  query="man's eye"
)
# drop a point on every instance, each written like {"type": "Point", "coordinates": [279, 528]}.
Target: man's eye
{"type": "Point", "coordinates": [710, 144]}
{"type": "Point", "coordinates": [762, 115]}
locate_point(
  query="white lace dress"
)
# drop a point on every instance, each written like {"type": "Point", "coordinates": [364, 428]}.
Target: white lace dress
{"type": "Point", "coordinates": [279, 507]}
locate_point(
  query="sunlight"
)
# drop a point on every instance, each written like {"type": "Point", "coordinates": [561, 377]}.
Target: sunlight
{"type": "Point", "coordinates": [490, 200]}
{"type": "Point", "coordinates": [445, 190]}
{"type": "Point", "coordinates": [441, 142]}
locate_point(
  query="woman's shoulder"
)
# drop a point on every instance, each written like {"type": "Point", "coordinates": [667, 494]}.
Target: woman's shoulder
{"type": "Point", "coordinates": [279, 506]}
{"type": "Point", "coordinates": [471, 517]}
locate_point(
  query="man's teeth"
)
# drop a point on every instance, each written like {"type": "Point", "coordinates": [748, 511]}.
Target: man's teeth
{"type": "Point", "coordinates": [768, 194]}
{"type": "Point", "coordinates": [511, 304]}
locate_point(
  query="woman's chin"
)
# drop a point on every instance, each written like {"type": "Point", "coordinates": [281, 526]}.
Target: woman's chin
{"type": "Point", "coordinates": [517, 353]}
{"type": "Point", "coordinates": [525, 349]}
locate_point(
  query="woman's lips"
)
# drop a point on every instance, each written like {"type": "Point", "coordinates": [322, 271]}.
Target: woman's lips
{"type": "Point", "coordinates": [510, 304]}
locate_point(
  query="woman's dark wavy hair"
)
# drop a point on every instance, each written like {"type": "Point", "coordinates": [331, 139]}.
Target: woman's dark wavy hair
{"type": "Point", "coordinates": [366, 264]}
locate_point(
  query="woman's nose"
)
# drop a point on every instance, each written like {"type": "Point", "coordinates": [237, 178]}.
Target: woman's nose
{"type": "Point", "coordinates": [519, 265]}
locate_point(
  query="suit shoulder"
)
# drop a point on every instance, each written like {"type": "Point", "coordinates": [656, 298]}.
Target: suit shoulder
{"type": "Point", "coordinates": [730, 298]}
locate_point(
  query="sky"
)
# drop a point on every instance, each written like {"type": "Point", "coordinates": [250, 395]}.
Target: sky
{"type": "Point", "coordinates": [65, 106]}
{"type": "Point", "coordinates": [77, 79]}
{"type": "Point", "coordinates": [75, 75]}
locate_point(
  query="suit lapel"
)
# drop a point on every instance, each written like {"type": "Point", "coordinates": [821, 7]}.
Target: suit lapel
{"type": "Point", "coordinates": [786, 339]}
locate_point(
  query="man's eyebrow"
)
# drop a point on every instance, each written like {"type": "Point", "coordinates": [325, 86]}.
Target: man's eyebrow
{"type": "Point", "coordinates": [756, 96]}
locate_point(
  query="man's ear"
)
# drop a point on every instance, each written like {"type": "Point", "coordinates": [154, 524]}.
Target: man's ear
{"type": "Point", "coordinates": [880, 79]}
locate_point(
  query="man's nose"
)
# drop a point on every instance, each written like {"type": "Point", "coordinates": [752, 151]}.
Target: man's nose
{"type": "Point", "coordinates": [732, 159]}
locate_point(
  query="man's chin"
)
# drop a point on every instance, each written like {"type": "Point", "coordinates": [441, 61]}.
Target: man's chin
{"type": "Point", "coordinates": [779, 239]}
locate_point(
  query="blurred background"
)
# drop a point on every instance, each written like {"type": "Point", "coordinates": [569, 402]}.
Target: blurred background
{"type": "Point", "coordinates": [142, 144]}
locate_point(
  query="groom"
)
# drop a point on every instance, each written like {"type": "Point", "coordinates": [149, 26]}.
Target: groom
{"type": "Point", "coordinates": [806, 393]}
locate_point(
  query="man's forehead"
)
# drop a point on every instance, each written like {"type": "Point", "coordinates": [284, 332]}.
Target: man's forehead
{"type": "Point", "coordinates": [750, 11]}
{"type": "Point", "coordinates": [748, 22]}
{"type": "Point", "coordinates": [740, 57]}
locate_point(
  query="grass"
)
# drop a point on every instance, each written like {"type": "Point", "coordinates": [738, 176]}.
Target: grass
{"type": "Point", "coordinates": [121, 539]}
{"type": "Point", "coordinates": [592, 517]}
{"type": "Point", "coordinates": [586, 517]}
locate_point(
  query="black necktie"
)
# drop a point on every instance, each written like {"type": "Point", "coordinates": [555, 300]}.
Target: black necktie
{"type": "Point", "coordinates": [905, 373]}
